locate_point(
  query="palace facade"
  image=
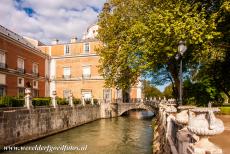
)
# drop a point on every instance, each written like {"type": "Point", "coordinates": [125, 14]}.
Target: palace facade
{"type": "Point", "coordinates": [67, 68]}
{"type": "Point", "coordinates": [21, 65]}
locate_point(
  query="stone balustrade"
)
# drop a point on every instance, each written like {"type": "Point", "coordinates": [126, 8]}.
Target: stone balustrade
{"type": "Point", "coordinates": [187, 131]}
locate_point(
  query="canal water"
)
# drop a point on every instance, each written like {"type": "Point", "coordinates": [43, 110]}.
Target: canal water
{"type": "Point", "coordinates": [122, 135]}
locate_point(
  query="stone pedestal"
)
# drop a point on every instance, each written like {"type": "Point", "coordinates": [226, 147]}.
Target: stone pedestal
{"type": "Point", "coordinates": [53, 98]}
{"type": "Point", "coordinates": [92, 101]}
{"type": "Point", "coordinates": [83, 100]}
{"type": "Point", "coordinates": [205, 124]}
{"type": "Point", "coordinates": [71, 100]}
{"type": "Point", "coordinates": [28, 98]}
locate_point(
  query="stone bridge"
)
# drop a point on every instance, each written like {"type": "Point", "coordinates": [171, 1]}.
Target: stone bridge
{"type": "Point", "coordinates": [117, 109]}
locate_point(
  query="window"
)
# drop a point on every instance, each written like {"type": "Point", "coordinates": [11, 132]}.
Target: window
{"type": "Point", "coordinates": [86, 73]}
{"type": "Point", "coordinates": [2, 79]}
{"type": "Point", "coordinates": [35, 93]}
{"type": "Point", "coordinates": [20, 82]}
{"type": "Point", "coordinates": [87, 95]}
{"type": "Point", "coordinates": [21, 92]}
{"type": "Point", "coordinates": [35, 69]}
{"type": "Point", "coordinates": [2, 91]}
{"type": "Point", "coordinates": [66, 50]}
{"type": "Point", "coordinates": [2, 60]}
{"type": "Point", "coordinates": [21, 65]}
{"type": "Point", "coordinates": [86, 47]}
{"type": "Point", "coordinates": [66, 93]}
{"type": "Point", "coordinates": [66, 72]}
{"type": "Point", "coordinates": [107, 94]}
{"type": "Point", "coordinates": [35, 84]}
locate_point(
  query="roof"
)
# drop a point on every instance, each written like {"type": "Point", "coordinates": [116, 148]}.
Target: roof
{"type": "Point", "coordinates": [18, 38]}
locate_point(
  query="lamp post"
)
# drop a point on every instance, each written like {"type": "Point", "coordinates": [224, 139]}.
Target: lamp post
{"type": "Point", "coordinates": [181, 50]}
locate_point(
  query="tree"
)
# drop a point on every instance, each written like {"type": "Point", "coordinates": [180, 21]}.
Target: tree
{"type": "Point", "coordinates": [141, 38]}
{"type": "Point", "coordinates": [150, 91]}
{"type": "Point", "coordinates": [168, 92]}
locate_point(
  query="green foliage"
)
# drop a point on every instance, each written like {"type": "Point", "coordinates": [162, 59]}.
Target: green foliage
{"type": "Point", "coordinates": [8, 101]}
{"type": "Point", "coordinates": [150, 91]}
{"type": "Point", "coordinates": [142, 37]}
{"type": "Point", "coordinates": [168, 91]}
{"type": "Point", "coordinates": [201, 93]}
{"type": "Point", "coordinates": [225, 110]}
{"type": "Point", "coordinates": [62, 101]}
{"type": "Point", "coordinates": [46, 101]}
{"type": "Point", "coordinates": [76, 101]}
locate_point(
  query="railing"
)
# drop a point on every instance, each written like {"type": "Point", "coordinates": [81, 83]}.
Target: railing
{"type": "Point", "coordinates": [86, 76]}
{"type": "Point", "coordinates": [21, 70]}
{"type": "Point", "coordinates": [3, 65]}
{"type": "Point", "coordinates": [36, 74]}
{"type": "Point", "coordinates": [66, 77]}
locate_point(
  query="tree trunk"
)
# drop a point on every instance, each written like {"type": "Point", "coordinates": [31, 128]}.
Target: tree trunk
{"type": "Point", "coordinates": [173, 69]}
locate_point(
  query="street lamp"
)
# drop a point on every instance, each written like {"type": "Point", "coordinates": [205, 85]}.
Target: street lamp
{"type": "Point", "coordinates": [181, 50]}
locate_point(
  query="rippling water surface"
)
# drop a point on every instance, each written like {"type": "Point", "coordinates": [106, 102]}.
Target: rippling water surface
{"type": "Point", "coordinates": [122, 135]}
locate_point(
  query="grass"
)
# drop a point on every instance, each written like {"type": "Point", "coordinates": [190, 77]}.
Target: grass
{"type": "Point", "coordinates": [225, 110]}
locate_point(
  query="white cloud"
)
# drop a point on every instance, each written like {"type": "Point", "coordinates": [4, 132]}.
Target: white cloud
{"type": "Point", "coordinates": [53, 19]}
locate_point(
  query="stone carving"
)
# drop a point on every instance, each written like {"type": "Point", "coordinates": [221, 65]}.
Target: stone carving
{"type": "Point", "coordinates": [28, 98]}
{"type": "Point", "coordinates": [54, 102]}
{"type": "Point", "coordinates": [205, 124]}
{"type": "Point", "coordinates": [183, 116]}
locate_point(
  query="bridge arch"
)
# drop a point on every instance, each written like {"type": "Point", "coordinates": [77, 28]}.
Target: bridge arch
{"type": "Point", "coordinates": [124, 107]}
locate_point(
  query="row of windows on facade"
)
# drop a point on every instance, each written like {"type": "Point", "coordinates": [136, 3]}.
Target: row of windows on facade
{"type": "Point", "coordinates": [21, 91]}
{"type": "Point", "coordinates": [86, 71]}
{"type": "Point", "coordinates": [87, 94]}
{"type": "Point", "coordinates": [20, 86]}
{"type": "Point", "coordinates": [86, 48]}
{"type": "Point", "coordinates": [20, 64]}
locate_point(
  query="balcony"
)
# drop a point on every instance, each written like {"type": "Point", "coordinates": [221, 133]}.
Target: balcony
{"type": "Point", "coordinates": [86, 76]}
{"type": "Point", "coordinates": [35, 74]}
{"type": "Point", "coordinates": [21, 70]}
{"type": "Point", "coordinates": [66, 77]}
{"type": "Point", "coordinates": [3, 65]}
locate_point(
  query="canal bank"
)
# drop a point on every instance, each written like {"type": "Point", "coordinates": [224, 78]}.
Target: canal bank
{"type": "Point", "coordinates": [19, 126]}
{"type": "Point", "coordinates": [114, 136]}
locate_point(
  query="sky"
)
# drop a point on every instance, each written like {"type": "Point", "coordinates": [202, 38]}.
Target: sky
{"type": "Point", "coordinates": [47, 20]}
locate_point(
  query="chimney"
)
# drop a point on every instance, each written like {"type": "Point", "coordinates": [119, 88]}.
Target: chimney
{"type": "Point", "coordinates": [55, 42]}
{"type": "Point", "coordinates": [73, 40]}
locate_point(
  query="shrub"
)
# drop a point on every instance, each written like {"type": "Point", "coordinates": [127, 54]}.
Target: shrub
{"type": "Point", "coordinates": [8, 101]}
{"type": "Point", "coordinates": [87, 101]}
{"type": "Point", "coordinates": [225, 110]}
{"type": "Point", "coordinates": [62, 101]}
{"type": "Point", "coordinates": [46, 101]}
{"type": "Point", "coordinates": [95, 101]}
{"type": "Point", "coordinates": [76, 101]}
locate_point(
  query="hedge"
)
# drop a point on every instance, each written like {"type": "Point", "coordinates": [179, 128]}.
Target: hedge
{"type": "Point", "coordinates": [45, 101]}
{"type": "Point", "coordinates": [76, 101]}
{"type": "Point", "coordinates": [9, 101]}
{"type": "Point", "coordinates": [62, 101]}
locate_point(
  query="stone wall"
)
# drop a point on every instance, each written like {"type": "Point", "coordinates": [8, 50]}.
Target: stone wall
{"type": "Point", "coordinates": [22, 125]}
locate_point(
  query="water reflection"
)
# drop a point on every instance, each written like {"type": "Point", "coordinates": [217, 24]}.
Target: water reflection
{"type": "Point", "coordinates": [122, 135]}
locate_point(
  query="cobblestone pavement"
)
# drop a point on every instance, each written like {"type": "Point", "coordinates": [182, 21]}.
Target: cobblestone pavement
{"type": "Point", "coordinates": [223, 140]}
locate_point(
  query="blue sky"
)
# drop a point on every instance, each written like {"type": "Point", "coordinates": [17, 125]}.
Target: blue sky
{"type": "Point", "coordinates": [47, 20]}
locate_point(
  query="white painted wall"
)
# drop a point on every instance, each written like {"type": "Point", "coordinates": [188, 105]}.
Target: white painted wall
{"type": "Point", "coordinates": [139, 89]}
{"type": "Point", "coordinates": [52, 76]}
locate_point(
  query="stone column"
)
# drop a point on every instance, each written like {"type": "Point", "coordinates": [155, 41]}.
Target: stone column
{"type": "Point", "coordinates": [28, 98]}
{"type": "Point", "coordinates": [54, 101]}
{"type": "Point", "coordinates": [71, 99]}
{"type": "Point", "coordinates": [92, 101]}
{"type": "Point", "coordinates": [83, 100]}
